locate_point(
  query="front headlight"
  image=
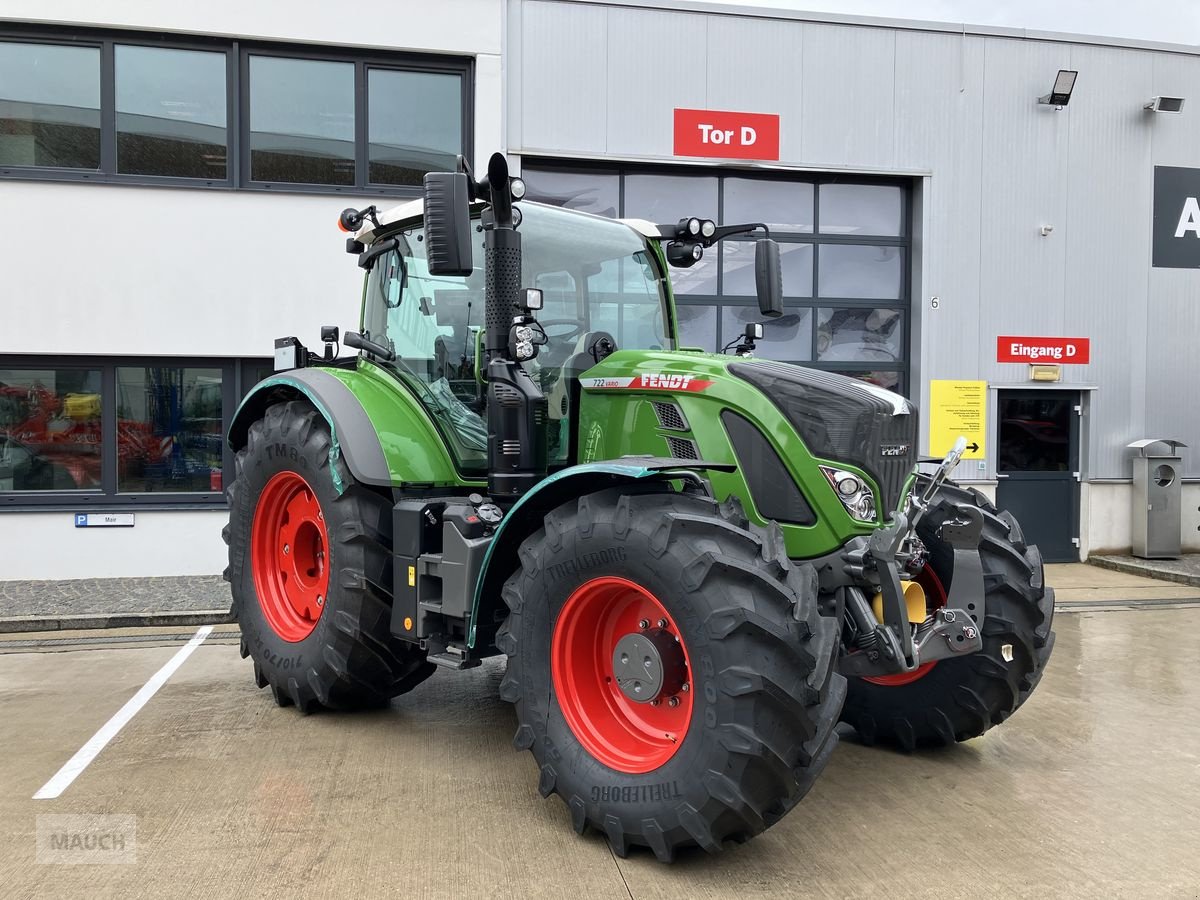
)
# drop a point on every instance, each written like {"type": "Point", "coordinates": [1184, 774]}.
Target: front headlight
{"type": "Point", "coordinates": [854, 493]}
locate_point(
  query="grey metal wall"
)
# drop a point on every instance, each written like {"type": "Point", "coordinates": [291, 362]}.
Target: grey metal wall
{"type": "Point", "coordinates": [958, 112]}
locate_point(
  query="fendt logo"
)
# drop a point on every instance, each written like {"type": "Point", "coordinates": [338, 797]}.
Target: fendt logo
{"type": "Point", "coordinates": [654, 381]}
{"type": "Point", "coordinates": [662, 382]}
{"type": "Point", "coordinates": [893, 450]}
{"type": "Point", "coordinates": [1176, 218]}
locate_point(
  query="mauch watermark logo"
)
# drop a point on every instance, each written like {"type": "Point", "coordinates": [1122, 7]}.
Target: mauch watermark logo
{"type": "Point", "coordinates": [74, 840]}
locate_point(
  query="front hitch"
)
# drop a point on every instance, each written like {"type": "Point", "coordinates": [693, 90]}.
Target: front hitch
{"type": "Point", "coordinates": [893, 646]}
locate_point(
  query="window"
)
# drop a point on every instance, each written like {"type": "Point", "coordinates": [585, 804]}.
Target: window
{"type": "Point", "coordinates": [169, 429]}
{"type": "Point", "coordinates": [49, 106]}
{"type": "Point", "coordinates": [123, 107]}
{"type": "Point", "coordinates": [413, 125]}
{"type": "Point", "coordinates": [50, 429]}
{"type": "Point", "coordinates": [124, 432]}
{"type": "Point", "coordinates": [301, 121]}
{"type": "Point", "coordinates": [843, 250]}
{"type": "Point", "coordinates": [171, 112]}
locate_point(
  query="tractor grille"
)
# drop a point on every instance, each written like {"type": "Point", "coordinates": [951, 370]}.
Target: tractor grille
{"type": "Point", "coordinates": [844, 420]}
{"type": "Point", "coordinates": [670, 416]}
{"type": "Point", "coordinates": [682, 448]}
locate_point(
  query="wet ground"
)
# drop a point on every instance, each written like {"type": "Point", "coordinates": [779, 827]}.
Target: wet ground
{"type": "Point", "coordinates": [1091, 790]}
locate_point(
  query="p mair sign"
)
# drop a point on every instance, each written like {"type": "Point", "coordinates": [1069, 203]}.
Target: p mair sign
{"type": "Point", "coordinates": [1011, 349]}
{"type": "Point", "coordinates": [729, 135]}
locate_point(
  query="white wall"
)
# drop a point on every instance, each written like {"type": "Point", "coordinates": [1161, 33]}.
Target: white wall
{"type": "Point", "coordinates": [1107, 518]}
{"type": "Point", "coordinates": [49, 546]}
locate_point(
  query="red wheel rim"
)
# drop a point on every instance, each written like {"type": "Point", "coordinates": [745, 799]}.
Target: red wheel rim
{"type": "Point", "coordinates": [935, 598]}
{"type": "Point", "coordinates": [623, 734]}
{"type": "Point", "coordinates": [289, 556]}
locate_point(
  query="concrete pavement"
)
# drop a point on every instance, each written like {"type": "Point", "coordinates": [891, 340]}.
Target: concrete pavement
{"type": "Point", "coordinates": [1089, 791]}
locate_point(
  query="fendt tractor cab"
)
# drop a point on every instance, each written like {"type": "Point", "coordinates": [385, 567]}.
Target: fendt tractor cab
{"type": "Point", "coordinates": [696, 563]}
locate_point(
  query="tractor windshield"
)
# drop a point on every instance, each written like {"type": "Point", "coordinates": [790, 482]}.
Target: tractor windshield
{"type": "Point", "coordinates": [596, 275]}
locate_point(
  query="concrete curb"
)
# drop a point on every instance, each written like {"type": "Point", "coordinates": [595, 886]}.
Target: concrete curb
{"type": "Point", "coordinates": [1146, 571]}
{"type": "Point", "coordinates": [90, 621]}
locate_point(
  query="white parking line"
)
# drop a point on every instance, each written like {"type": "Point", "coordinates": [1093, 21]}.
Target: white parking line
{"type": "Point", "coordinates": [76, 764]}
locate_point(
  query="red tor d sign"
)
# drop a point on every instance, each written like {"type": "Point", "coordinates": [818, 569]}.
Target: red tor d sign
{"type": "Point", "coordinates": [728, 135]}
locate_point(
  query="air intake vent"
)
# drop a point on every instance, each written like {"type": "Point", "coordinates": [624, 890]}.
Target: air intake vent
{"type": "Point", "coordinates": [507, 395]}
{"type": "Point", "coordinates": [510, 448]}
{"type": "Point", "coordinates": [681, 448]}
{"type": "Point", "coordinates": [670, 416]}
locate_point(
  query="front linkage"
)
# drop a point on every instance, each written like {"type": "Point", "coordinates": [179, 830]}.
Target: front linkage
{"type": "Point", "coordinates": [892, 646]}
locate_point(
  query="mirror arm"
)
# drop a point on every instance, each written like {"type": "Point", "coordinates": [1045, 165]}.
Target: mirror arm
{"type": "Point", "coordinates": [367, 258]}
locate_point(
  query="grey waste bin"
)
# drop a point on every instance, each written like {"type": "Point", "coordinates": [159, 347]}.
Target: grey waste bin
{"type": "Point", "coordinates": [1157, 498]}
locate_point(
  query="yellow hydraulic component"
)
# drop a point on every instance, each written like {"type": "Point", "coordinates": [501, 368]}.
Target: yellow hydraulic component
{"type": "Point", "coordinates": [914, 598]}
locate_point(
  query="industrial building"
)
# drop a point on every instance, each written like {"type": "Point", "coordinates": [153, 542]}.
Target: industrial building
{"type": "Point", "coordinates": [1002, 225]}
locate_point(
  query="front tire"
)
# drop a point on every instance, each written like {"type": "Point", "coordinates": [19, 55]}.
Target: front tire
{"type": "Point", "coordinates": [961, 698]}
{"type": "Point", "coordinates": [729, 616]}
{"type": "Point", "coordinates": [310, 570]}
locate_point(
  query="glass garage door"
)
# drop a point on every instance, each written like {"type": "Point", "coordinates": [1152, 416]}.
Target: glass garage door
{"type": "Point", "coordinates": [844, 243]}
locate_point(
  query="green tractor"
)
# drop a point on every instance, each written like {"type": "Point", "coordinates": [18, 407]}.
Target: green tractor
{"type": "Point", "coordinates": [697, 564]}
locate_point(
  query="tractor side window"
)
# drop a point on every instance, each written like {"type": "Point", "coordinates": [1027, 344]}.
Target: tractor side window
{"type": "Point", "coordinates": [431, 323]}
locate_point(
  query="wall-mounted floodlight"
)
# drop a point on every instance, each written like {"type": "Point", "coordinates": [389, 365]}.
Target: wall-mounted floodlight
{"type": "Point", "coordinates": [1165, 104]}
{"type": "Point", "coordinates": [1060, 94]}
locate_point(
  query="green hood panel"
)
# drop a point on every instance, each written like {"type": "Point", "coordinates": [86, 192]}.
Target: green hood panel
{"type": "Point", "coordinates": [617, 417]}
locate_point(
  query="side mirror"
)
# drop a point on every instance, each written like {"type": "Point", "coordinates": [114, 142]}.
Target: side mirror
{"type": "Point", "coordinates": [447, 223]}
{"type": "Point", "coordinates": [768, 278]}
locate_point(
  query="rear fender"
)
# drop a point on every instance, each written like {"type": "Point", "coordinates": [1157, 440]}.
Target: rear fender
{"type": "Point", "coordinates": [354, 437]}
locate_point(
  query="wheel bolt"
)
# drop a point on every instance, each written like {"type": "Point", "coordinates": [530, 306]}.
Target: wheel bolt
{"type": "Point", "coordinates": [673, 702]}
{"type": "Point", "coordinates": [662, 623]}
{"type": "Point", "coordinates": [321, 602]}
{"type": "Point", "coordinates": [286, 549]}
{"type": "Point", "coordinates": [644, 624]}
{"type": "Point", "coordinates": [655, 702]}
{"type": "Point", "coordinates": [685, 687]}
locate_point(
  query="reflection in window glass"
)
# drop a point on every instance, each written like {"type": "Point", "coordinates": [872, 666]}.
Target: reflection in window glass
{"type": "Point", "coordinates": [860, 335]}
{"type": "Point", "coordinates": [698, 327]}
{"type": "Point", "coordinates": [590, 192]}
{"type": "Point", "coordinates": [301, 121]}
{"type": "Point", "coordinates": [169, 429]}
{"type": "Point", "coordinates": [669, 198]}
{"type": "Point", "coordinates": [884, 379]}
{"type": "Point", "coordinates": [782, 205]}
{"type": "Point", "coordinates": [49, 105]}
{"type": "Point", "coordinates": [862, 209]}
{"type": "Point", "coordinates": [49, 429]}
{"type": "Point", "coordinates": [1035, 432]}
{"type": "Point", "coordinates": [414, 124]}
{"type": "Point", "coordinates": [787, 338]}
{"type": "Point", "coordinates": [170, 112]}
{"type": "Point", "coordinates": [859, 272]}
{"type": "Point", "coordinates": [737, 260]}
{"type": "Point", "coordinates": [700, 278]}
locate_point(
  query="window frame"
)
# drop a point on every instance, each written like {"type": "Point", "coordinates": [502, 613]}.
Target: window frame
{"type": "Point", "coordinates": [237, 106]}
{"type": "Point", "coordinates": [236, 379]}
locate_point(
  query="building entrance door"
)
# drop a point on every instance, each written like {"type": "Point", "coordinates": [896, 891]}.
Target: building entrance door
{"type": "Point", "coordinates": [1038, 468]}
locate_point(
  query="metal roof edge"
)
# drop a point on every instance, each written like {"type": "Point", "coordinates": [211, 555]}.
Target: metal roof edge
{"type": "Point", "coordinates": [830, 18]}
{"type": "Point", "coordinates": [742, 165]}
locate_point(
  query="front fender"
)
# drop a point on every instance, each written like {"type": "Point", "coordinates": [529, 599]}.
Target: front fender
{"type": "Point", "coordinates": [527, 515]}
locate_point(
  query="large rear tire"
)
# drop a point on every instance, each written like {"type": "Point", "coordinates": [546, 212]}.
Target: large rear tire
{"type": "Point", "coordinates": [961, 698]}
{"type": "Point", "coordinates": [310, 569]}
{"type": "Point", "coordinates": [739, 735]}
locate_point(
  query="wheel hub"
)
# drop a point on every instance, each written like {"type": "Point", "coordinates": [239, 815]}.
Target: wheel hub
{"type": "Point", "coordinates": [620, 671]}
{"type": "Point", "coordinates": [288, 550]}
{"type": "Point", "coordinates": [648, 665]}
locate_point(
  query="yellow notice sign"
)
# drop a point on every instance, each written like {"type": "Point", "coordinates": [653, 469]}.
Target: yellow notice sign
{"type": "Point", "coordinates": [957, 408]}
